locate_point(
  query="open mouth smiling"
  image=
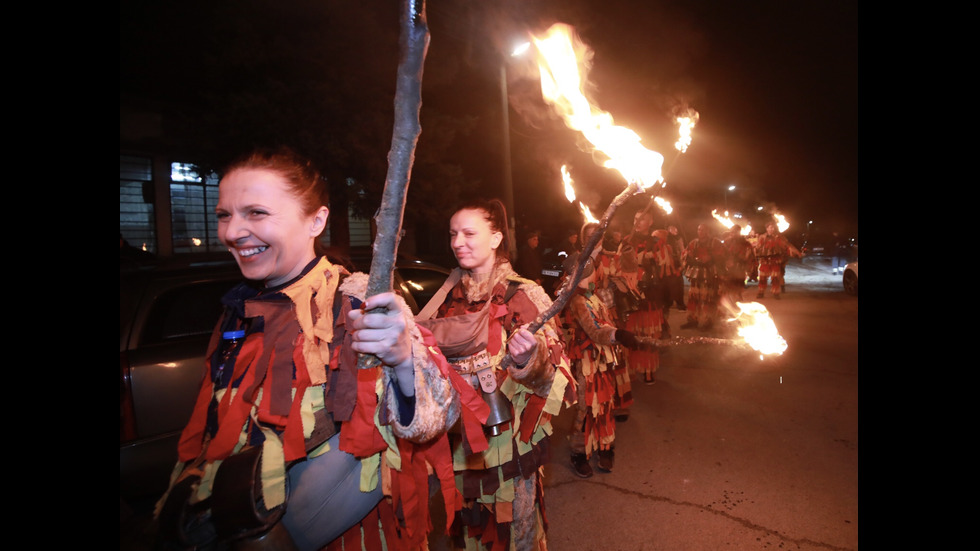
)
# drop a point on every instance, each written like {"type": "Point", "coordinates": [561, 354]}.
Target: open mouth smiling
{"type": "Point", "coordinates": [245, 253]}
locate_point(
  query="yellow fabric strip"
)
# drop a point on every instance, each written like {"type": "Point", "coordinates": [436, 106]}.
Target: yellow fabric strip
{"type": "Point", "coordinates": [273, 470]}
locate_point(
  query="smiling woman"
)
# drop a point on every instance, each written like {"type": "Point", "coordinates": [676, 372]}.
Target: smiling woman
{"type": "Point", "coordinates": [289, 397]}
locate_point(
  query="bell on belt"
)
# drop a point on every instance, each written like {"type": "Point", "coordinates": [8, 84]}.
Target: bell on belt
{"type": "Point", "coordinates": [499, 412]}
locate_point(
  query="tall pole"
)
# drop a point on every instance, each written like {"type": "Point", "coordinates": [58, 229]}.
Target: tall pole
{"type": "Point", "coordinates": [508, 174]}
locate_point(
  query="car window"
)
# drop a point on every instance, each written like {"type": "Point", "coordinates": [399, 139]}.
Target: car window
{"type": "Point", "coordinates": [422, 282]}
{"type": "Point", "coordinates": [186, 311]}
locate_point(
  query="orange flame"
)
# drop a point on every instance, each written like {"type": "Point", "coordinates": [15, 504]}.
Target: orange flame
{"type": "Point", "coordinates": [686, 124]}
{"type": "Point", "coordinates": [728, 222]}
{"type": "Point", "coordinates": [566, 179]}
{"type": "Point", "coordinates": [781, 223]}
{"type": "Point", "coordinates": [725, 220]}
{"type": "Point", "coordinates": [758, 329]}
{"type": "Point", "coordinates": [664, 204]}
{"type": "Point", "coordinates": [587, 214]}
{"type": "Point", "coordinates": [559, 63]}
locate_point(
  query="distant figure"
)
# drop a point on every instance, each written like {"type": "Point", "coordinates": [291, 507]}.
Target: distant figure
{"type": "Point", "coordinates": [675, 283]}
{"type": "Point", "coordinates": [704, 260]}
{"type": "Point", "coordinates": [529, 263]}
{"type": "Point", "coordinates": [738, 264]}
{"type": "Point", "coordinates": [572, 243]}
{"type": "Point", "coordinates": [772, 250]}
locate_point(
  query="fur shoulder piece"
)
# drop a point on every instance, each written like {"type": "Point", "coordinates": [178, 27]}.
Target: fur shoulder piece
{"type": "Point", "coordinates": [534, 292]}
{"type": "Point", "coordinates": [355, 285]}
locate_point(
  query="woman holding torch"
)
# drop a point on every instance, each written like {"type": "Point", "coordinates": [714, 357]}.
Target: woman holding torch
{"type": "Point", "coordinates": [479, 317]}
{"type": "Point", "coordinates": [289, 441]}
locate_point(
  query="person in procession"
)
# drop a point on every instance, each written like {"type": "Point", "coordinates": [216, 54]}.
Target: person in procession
{"type": "Point", "coordinates": [738, 264]}
{"type": "Point", "coordinates": [592, 343]}
{"type": "Point", "coordinates": [704, 261]}
{"type": "Point", "coordinates": [772, 251]}
{"type": "Point", "coordinates": [635, 266]}
{"type": "Point", "coordinates": [675, 282]}
{"type": "Point", "coordinates": [479, 318]}
{"type": "Point", "coordinates": [291, 445]}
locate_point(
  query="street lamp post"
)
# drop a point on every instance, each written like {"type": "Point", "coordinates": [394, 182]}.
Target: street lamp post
{"type": "Point", "coordinates": [507, 168]}
{"type": "Point", "coordinates": [729, 188]}
{"type": "Point", "coordinates": [508, 171]}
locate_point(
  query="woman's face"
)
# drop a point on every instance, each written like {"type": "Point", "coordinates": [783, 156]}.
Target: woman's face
{"type": "Point", "coordinates": [263, 225]}
{"type": "Point", "coordinates": [473, 241]}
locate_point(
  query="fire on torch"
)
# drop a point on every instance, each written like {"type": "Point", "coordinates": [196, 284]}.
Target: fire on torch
{"type": "Point", "coordinates": [559, 61]}
{"type": "Point", "coordinates": [755, 328]}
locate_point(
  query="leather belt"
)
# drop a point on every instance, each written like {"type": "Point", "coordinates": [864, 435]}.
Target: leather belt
{"type": "Point", "coordinates": [477, 364]}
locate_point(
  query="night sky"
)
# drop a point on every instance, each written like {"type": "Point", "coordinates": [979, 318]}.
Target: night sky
{"type": "Point", "coordinates": [774, 84]}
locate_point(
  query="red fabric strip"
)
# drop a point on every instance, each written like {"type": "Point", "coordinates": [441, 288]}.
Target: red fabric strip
{"type": "Point", "coordinates": [359, 436]}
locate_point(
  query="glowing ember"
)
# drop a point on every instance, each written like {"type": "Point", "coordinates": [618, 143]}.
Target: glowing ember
{"type": "Point", "coordinates": [559, 62]}
{"type": "Point", "coordinates": [686, 124]}
{"type": "Point", "coordinates": [756, 326]}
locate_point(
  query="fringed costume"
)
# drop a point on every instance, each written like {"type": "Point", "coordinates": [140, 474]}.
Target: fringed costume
{"type": "Point", "coordinates": [345, 457]}
{"type": "Point", "coordinates": [738, 265]}
{"type": "Point", "coordinates": [772, 252]}
{"type": "Point", "coordinates": [704, 261]}
{"type": "Point", "coordinates": [635, 265]}
{"type": "Point", "coordinates": [498, 468]}
{"type": "Point", "coordinates": [591, 347]}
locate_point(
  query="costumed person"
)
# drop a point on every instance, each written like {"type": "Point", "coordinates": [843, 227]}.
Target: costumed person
{"type": "Point", "coordinates": [609, 286]}
{"type": "Point", "coordinates": [772, 251]}
{"type": "Point", "coordinates": [647, 320]}
{"type": "Point", "coordinates": [738, 264]}
{"type": "Point", "coordinates": [704, 261]}
{"type": "Point", "coordinates": [479, 317]}
{"type": "Point", "coordinates": [663, 267]}
{"type": "Point", "coordinates": [290, 444]}
{"type": "Point", "coordinates": [592, 340]}
{"type": "Point", "coordinates": [675, 283]}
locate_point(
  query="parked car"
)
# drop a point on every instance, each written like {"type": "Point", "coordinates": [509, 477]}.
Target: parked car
{"type": "Point", "coordinates": [851, 278]}
{"type": "Point", "coordinates": [166, 316]}
{"type": "Point", "coordinates": [552, 269]}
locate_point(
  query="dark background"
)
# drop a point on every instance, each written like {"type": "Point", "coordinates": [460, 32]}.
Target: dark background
{"type": "Point", "coordinates": [774, 84]}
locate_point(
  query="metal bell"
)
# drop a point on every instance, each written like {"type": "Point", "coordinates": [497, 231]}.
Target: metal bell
{"type": "Point", "coordinates": [499, 411]}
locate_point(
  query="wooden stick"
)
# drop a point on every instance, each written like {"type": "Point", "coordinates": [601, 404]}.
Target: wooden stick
{"type": "Point", "coordinates": [413, 43]}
